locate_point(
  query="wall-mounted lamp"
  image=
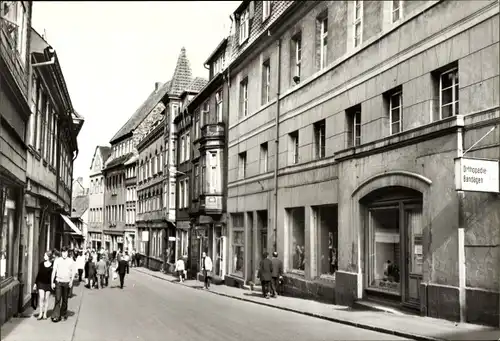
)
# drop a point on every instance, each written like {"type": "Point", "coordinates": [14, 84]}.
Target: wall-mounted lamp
{"type": "Point", "coordinates": [296, 79]}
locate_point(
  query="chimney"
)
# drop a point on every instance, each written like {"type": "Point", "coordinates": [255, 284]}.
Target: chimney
{"type": "Point", "coordinates": [157, 86]}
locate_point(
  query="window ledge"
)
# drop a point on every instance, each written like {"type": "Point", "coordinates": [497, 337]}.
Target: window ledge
{"type": "Point", "coordinates": [412, 136]}
{"type": "Point", "coordinates": [299, 273]}
{"type": "Point", "coordinates": [7, 284]}
{"type": "Point", "coordinates": [326, 277]}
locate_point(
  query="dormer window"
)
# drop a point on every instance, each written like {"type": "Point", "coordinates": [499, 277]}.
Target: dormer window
{"type": "Point", "coordinates": [219, 64]}
{"type": "Point", "coordinates": [266, 10]}
{"type": "Point", "coordinates": [244, 26]}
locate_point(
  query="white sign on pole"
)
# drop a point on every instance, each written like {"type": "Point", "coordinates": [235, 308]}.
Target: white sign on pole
{"type": "Point", "coordinates": [145, 236]}
{"type": "Point", "coordinates": [477, 175]}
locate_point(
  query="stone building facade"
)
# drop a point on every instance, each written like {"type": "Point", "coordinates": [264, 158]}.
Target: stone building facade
{"type": "Point", "coordinates": [201, 127]}
{"type": "Point", "coordinates": [345, 118]}
{"type": "Point", "coordinates": [96, 197]}
{"type": "Point", "coordinates": [150, 193]}
{"type": "Point", "coordinates": [15, 34]}
{"type": "Point", "coordinates": [38, 131]}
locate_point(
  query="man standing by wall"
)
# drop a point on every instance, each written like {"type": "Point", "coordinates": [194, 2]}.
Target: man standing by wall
{"type": "Point", "coordinates": [62, 282]}
{"type": "Point", "coordinates": [265, 273]}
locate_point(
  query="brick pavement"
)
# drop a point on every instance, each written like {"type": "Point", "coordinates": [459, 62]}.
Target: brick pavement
{"type": "Point", "coordinates": [404, 325]}
{"type": "Point", "coordinates": [28, 328]}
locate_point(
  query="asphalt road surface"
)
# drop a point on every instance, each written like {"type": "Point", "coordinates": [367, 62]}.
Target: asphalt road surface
{"type": "Point", "coordinates": [151, 309]}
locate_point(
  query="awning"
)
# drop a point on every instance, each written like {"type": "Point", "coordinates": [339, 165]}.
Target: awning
{"type": "Point", "coordinates": [71, 225]}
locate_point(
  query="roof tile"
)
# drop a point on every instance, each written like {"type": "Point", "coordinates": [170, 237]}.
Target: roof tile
{"type": "Point", "coordinates": [197, 84]}
{"type": "Point", "coordinates": [182, 75]}
{"type": "Point", "coordinates": [105, 153]}
{"type": "Point", "coordinates": [142, 112]}
{"type": "Point", "coordinates": [79, 205]}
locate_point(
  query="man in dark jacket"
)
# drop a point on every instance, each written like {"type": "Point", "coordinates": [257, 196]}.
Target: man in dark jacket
{"type": "Point", "coordinates": [265, 273]}
{"type": "Point", "coordinates": [122, 270]}
{"type": "Point", "coordinates": [277, 274]}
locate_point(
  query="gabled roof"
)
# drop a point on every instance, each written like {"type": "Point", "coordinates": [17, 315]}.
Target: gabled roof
{"type": "Point", "coordinates": [182, 75]}
{"type": "Point", "coordinates": [142, 112]}
{"type": "Point", "coordinates": [196, 86]}
{"type": "Point", "coordinates": [180, 80]}
{"type": "Point", "coordinates": [119, 160]}
{"type": "Point", "coordinates": [79, 205]}
{"type": "Point", "coordinates": [37, 42]}
{"type": "Point", "coordinates": [105, 153]}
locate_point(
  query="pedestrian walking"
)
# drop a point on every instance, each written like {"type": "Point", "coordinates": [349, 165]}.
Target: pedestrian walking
{"type": "Point", "coordinates": [122, 270]}
{"type": "Point", "coordinates": [91, 272]}
{"type": "Point", "coordinates": [101, 269]}
{"type": "Point", "coordinates": [277, 274]}
{"type": "Point", "coordinates": [133, 257]}
{"type": "Point", "coordinates": [180, 268]}
{"type": "Point", "coordinates": [207, 269]}
{"type": "Point", "coordinates": [80, 265]}
{"type": "Point", "coordinates": [265, 273]}
{"type": "Point", "coordinates": [108, 265]}
{"type": "Point", "coordinates": [43, 284]}
{"type": "Point", "coordinates": [62, 281]}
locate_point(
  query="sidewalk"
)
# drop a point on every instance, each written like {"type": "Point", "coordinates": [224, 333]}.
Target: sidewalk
{"type": "Point", "coordinates": [28, 328]}
{"type": "Point", "coordinates": [408, 326]}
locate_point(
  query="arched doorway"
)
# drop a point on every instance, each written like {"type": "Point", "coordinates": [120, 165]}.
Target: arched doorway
{"type": "Point", "coordinates": [393, 244]}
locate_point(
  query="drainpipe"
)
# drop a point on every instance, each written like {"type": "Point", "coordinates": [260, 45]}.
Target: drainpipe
{"type": "Point", "coordinates": [276, 159]}
{"type": "Point", "coordinates": [50, 62]}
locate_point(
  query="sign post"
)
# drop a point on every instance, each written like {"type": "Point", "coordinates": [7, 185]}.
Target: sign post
{"type": "Point", "coordinates": [477, 175]}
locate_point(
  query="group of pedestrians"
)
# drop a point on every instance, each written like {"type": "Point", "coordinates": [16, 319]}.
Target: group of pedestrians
{"type": "Point", "coordinates": [270, 274]}
{"type": "Point", "coordinates": [98, 267]}
{"type": "Point", "coordinates": [206, 268]}
{"type": "Point", "coordinates": [57, 272]}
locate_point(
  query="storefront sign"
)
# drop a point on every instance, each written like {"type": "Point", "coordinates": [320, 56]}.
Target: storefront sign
{"type": "Point", "coordinates": [171, 239]}
{"type": "Point", "coordinates": [145, 236]}
{"type": "Point", "coordinates": [477, 175]}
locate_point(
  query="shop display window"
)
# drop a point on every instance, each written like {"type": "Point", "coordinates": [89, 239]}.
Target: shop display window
{"type": "Point", "coordinates": [238, 252]}
{"type": "Point", "coordinates": [296, 219]}
{"type": "Point", "coordinates": [384, 249]}
{"type": "Point", "coordinates": [8, 218]}
{"type": "Point", "coordinates": [238, 244]}
{"type": "Point", "coordinates": [327, 221]}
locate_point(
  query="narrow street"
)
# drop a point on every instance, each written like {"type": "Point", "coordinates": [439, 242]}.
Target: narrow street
{"type": "Point", "coordinates": [151, 309]}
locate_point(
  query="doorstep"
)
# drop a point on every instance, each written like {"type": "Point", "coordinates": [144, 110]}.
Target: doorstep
{"type": "Point", "coordinates": [407, 326]}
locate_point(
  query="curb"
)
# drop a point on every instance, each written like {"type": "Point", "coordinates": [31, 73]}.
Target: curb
{"type": "Point", "coordinates": [331, 319]}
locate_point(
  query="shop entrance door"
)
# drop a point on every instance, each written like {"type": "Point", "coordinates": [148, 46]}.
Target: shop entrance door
{"type": "Point", "coordinates": [28, 256]}
{"type": "Point", "coordinates": [395, 252]}
{"type": "Point", "coordinates": [412, 216]}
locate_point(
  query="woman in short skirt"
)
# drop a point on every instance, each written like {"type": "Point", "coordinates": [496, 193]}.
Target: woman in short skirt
{"type": "Point", "coordinates": [43, 284]}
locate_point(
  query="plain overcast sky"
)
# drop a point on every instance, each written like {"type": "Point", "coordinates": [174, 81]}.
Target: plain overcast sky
{"type": "Point", "coordinates": [112, 53]}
